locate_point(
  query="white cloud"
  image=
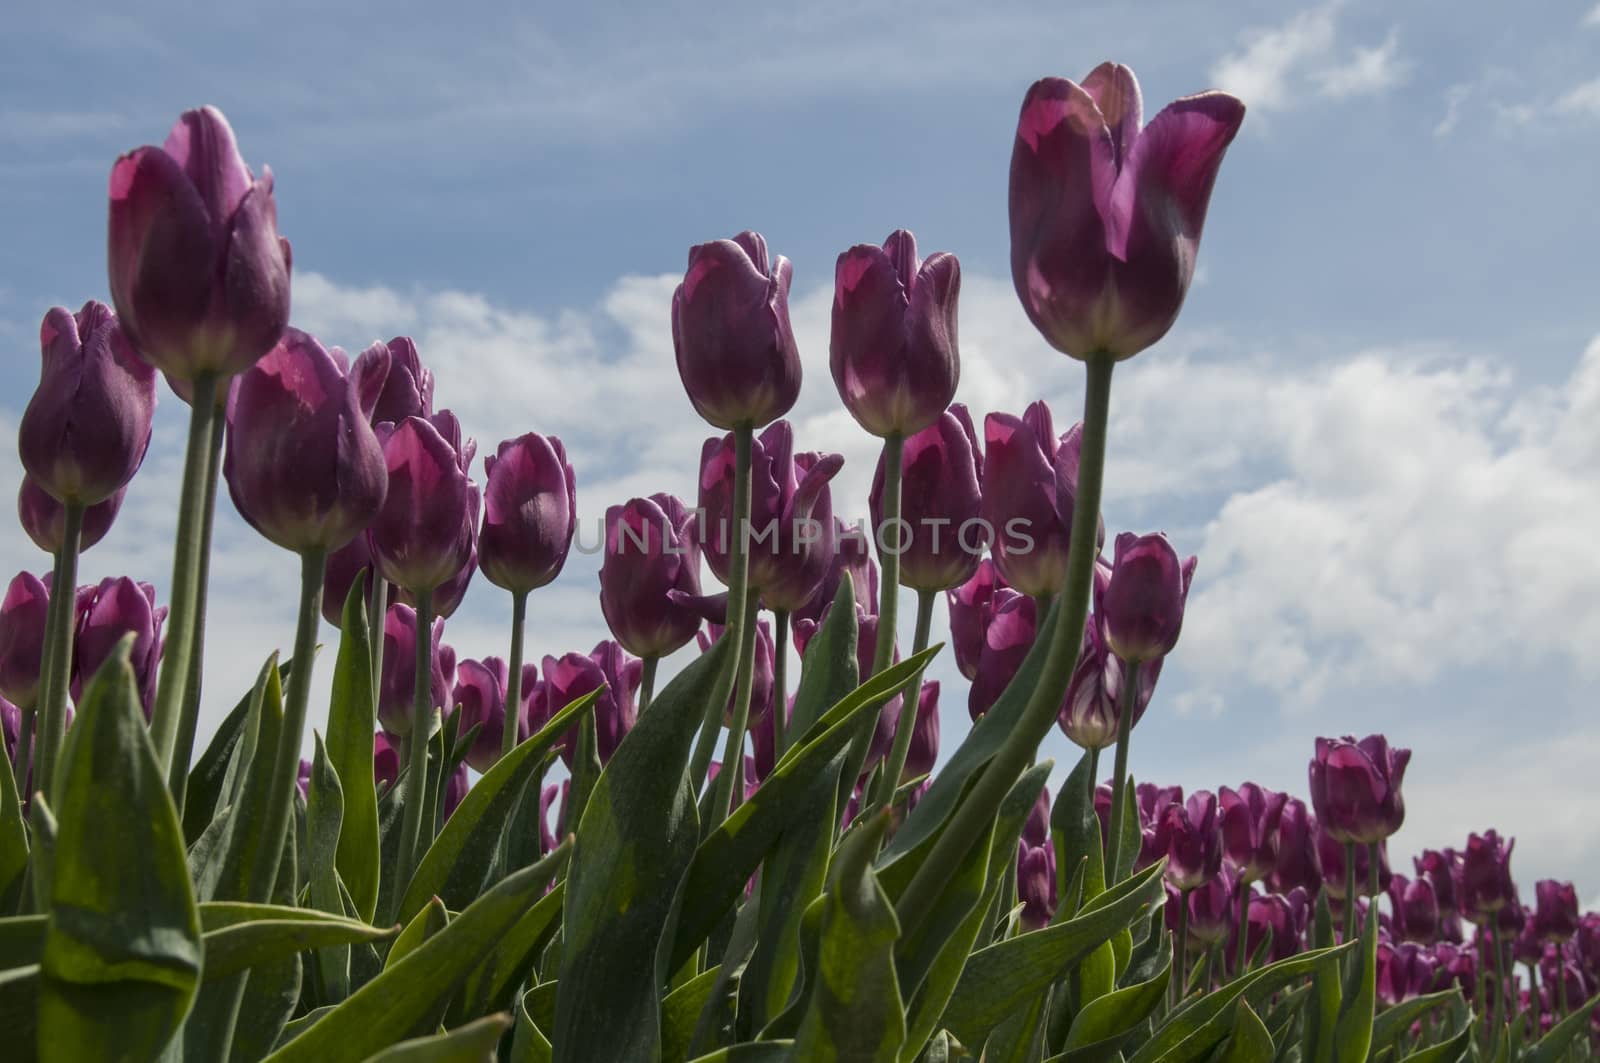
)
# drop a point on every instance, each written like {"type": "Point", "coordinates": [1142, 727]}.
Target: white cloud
{"type": "Point", "coordinates": [1592, 19]}
{"type": "Point", "coordinates": [1582, 100]}
{"type": "Point", "coordinates": [1279, 68]}
{"type": "Point", "coordinates": [1367, 72]}
{"type": "Point", "coordinates": [1455, 101]}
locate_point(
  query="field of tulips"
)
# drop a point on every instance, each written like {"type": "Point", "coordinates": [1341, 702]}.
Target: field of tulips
{"type": "Point", "coordinates": [565, 859]}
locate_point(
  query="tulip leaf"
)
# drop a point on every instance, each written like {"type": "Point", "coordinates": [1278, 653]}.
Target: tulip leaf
{"type": "Point", "coordinates": [855, 1011]}
{"type": "Point", "coordinates": [19, 1009]}
{"type": "Point", "coordinates": [1250, 1042]}
{"type": "Point", "coordinates": [1020, 1038]}
{"type": "Point", "coordinates": [253, 943]}
{"type": "Point", "coordinates": [225, 875]}
{"type": "Point", "coordinates": [352, 720]}
{"type": "Point", "coordinates": [680, 1013]}
{"type": "Point", "coordinates": [636, 840]}
{"type": "Point", "coordinates": [528, 1043]}
{"type": "Point", "coordinates": [492, 985]}
{"type": "Point", "coordinates": [13, 836]}
{"type": "Point", "coordinates": [1553, 1045]}
{"type": "Point", "coordinates": [1322, 1012]}
{"type": "Point", "coordinates": [457, 863]}
{"type": "Point", "coordinates": [1103, 1025]}
{"type": "Point", "coordinates": [753, 1052]}
{"type": "Point", "coordinates": [476, 1042]}
{"type": "Point", "coordinates": [1352, 1034]}
{"type": "Point", "coordinates": [426, 923]}
{"type": "Point", "coordinates": [1455, 1048]}
{"type": "Point", "coordinates": [324, 813]}
{"type": "Point", "coordinates": [384, 1010]}
{"type": "Point", "coordinates": [121, 960]}
{"type": "Point", "coordinates": [1396, 1022]}
{"type": "Point", "coordinates": [210, 780]}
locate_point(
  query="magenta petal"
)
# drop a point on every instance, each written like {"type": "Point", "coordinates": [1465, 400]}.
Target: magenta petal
{"type": "Point", "coordinates": [1116, 92]}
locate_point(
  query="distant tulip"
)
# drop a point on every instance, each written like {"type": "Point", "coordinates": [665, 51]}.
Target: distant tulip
{"type": "Point", "coordinates": [1194, 841]}
{"type": "Point", "coordinates": [395, 689]}
{"type": "Point", "coordinates": [730, 330]}
{"type": "Point", "coordinates": [893, 350]}
{"type": "Point", "coordinates": [303, 465]}
{"type": "Point", "coordinates": [1298, 865]}
{"type": "Point", "coordinates": [1030, 484]}
{"type": "Point", "coordinates": [1152, 803]}
{"type": "Point", "coordinates": [198, 272]}
{"type": "Point", "coordinates": [972, 606]}
{"type": "Point", "coordinates": [1556, 918]}
{"type": "Point", "coordinates": [22, 636]}
{"type": "Point", "coordinates": [569, 677]}
{"type": "Point", "coordinates": [86, 428]}
{"type": "Point", "coordinates": [1036, 883]}
{"type": "Point", "coordinates": [408, 389]}
{"type": "Point", "coordinates": [852, 556]}
{"type": "Point", "coordinates": [763, 676]}
{"type": "Point", "coordinates": [1442, 867]}
{"type": "Point", "coordinates": [455, 789]}
{"type": "Point", "coordinates": [423, 536]}
{"type": "Point", "coordinates": [1106, 216]}
{"type": "Point", "coordinates": [924, 748]}
{"type": "Point", "coordinates": [1141, 606]}
{"type": "Point", "coordinates": [1213, 909]}
{"type": "Point", "coordinates": [385, 760]}
{"type": "Point", "coordinates": [1284, 916]}
{"type": "Point", "coordinates": [1415, 909]}
{"type": "Point", "coordinates": [480, 699]}
{"type": "Point", "coordinates": [650, 551]}
{"type": "Point", "coordinates": [530, 512]}
{"type": "Point", "coordinates": [1486, 883]}
{"type": "Point", "coordinates": [1355, 787]}
{"type": "Point", "coordinates": [45, 519]}
{"type": "Point", "coordinates": [115, 608]}
{"type": "Point", "coordinates": [942, 538]}
{"type": "Point", "coordinates": [1404, 972]}
{"type": "Point", "coordinates": [1251, 816]}
{"type": "Point", "coordinates": [1006, 641]}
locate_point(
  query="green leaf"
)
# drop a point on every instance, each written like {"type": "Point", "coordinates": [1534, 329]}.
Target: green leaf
{"type": "Point", "coordinates": [855, 1012]}
{"type": "Point", "coordinates": [680, 1013]}
{"type": "Point", "coordinates": [426, 923]}
{"type": "Point", "coordinates": [324, 813]}
{"type": "Point", "coordinates": [277, 935]}
{"type": "Point", "coordinates": [13, 833]}
{"type": "Point", "coordinates": [351, 724]}
{"type": "Point", "coordinates": [225, 874]}
{"type": "Point", "coordinates": [1104, 1024]}
{"type": "Point", "coordinates": [635, 841]}
{"type": "Point", "coordinates": [718, 1015]}
{"type": "Point", "coordinates": [1395, 1022]}
{"type": "Point", "coordinates": [529, 1044]}
{"type": "Point", "coordinates": [457, 863]}
{"type": "Point", "coordinates": [383, 1011]}
{"type": "Point", "coordinates": [211, 778]}
{"type": "Point", "coordinates": [121, 959]}
{"type": "Point", "coordinates": [1322, 1009]}
{"type": "Point", "coordinates": [1020, 1038]}
{"type": "Point", "coordinates": [1017, 968]}
{"type": "Point", "coordinates": [1554, 1044]}
{"type": "Point", "coordinates": [492, 986]}
{"type": "Point", "coordinates": [752, 1052]}
{"type": "Point", "coordinates": [1352, 1035]}
{"type": "Point", "coordinates": [476, 1042]}
{"type": "Point", "coordinates": [19, 1010]}
{"type": "Point", "coordinates": [1250, 1042]}
{"type": "Point", "coordinates": [1455, 1047]}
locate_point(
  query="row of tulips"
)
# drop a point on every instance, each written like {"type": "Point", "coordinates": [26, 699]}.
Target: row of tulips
{"type": "Point", "coordinates": [813, 889]}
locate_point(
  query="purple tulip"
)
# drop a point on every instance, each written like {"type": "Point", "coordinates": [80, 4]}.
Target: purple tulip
{"type": "Point", "coordinates": [340, 570]}
{"type": "Point", "coordinates": [730, 330]}
{"type": "Point", "coordinates": [87, 426]}
{"type": "Point", "coordinates": [1036, 883]}
{"type": "Point", "coordinates": [1556, 918]}
{"type": "Point", "coordinates": [764, 740]}
{"type": "Point", "coordinates": [1355, 787]}
{"type": "Point", "coordinates": [1442, 868]}
{"type": "Point", "coordinates": [1194, 841]}
{"type": "Point", "coordinates": [1251, 816]}
{"type": "Point", "coordinates": [480, 700]}
{"type": "Point", "coordinates": [1140, 606]}
{"type": "Point", "coordinates": [1298, 865]}
{"type": "Point", "coordinates": [1414, 908]}
{"type": "Point", "coordinates": [893, 350]}
{"type": "Point", "coordinates": [791, 515]}
{"type": "Point", "coordinates": [924, 748]}
{"type": "Point", "coordinates": [198, 272]}
{"type": "Point", "coordinates": [530, 511]}
{"type": "Point", "coordinates": [106, 613]}
{"type": "Point", "coordinates": [1405, 972]}
{"type": "Point", "coordinates": [1006, 642]}
{"type": "Point", "coordinates": [548, 839]}
{"type": "Point", "coordinates": [763, 675]}
{"type": "Point", "coordinates": [972, 607]}
{"type": "Point", "coordinates": [1030, 481]}
{"type": "Point", "coordinates": [570, 677]}
{"type": "Point", "coordinates": [1284, 915]}
{"type": "Point", "coordinates": [455, 789]}
{"type": "Point", "coordinates": [1152, 802]}
{"type": "Point", "coordinates": [1093, 707]}
{"type": "Point", "coordinates": [650, 552]}
{"type": "Point", "coordinates": [1456, 966]}
{"type": "Point", "coordinates": [397, 682]}
{"type": "Point", "coordinates": [1486, 883]}
{"type": "Point", "coordinates": [303, 465]}
{"type": "Point", "coordinates": [1330, 854]}
{"type": "Point", "coordinates": [45, 519]}
{"type": "Point", "coordinates": [423, 536]}
{"type": "Point", "coordinates": [1106, 216]}
{"type": "Point", "coordinates": [852, 556]}
{"type": "Point", "coordinates": [1213, 909]}
{"type": "Point", "coordinates": [866, 647]}
{"type": "Point", "coordinates": [408, 389]}
{"type": "Point", "coordinates": [22, 634]}
{"type": "Point", "coordinates": [10, 729]}
{"type": "Point", "coordinates": [942, 538]}
{"type": "Point", "coordinates": [385, 760]}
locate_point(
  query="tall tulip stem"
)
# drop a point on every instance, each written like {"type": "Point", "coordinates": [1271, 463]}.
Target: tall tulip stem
{"type": "Point", "coordinates": [416, 793]}
{"type": "Point", "coordinates": [1244, 926]}
{"type": "Point", "coordinates": [22, 761]}
{"type": "Point", "coordinates": [1119, 780]}
{"type": "Point", "coordinates": [973, 816]}
{"type": "Point", "coordinates": [647, 681]}
{"type": "Point", "coordinates": [1180, 961]}
{"type": "Point", "coordinates": [1349, 891]}
{"type": "Point", "coordinates": [508, 730]}
{"type": "Point", "coordinates": [1497, 1011]}
{"type": "Point", "coordinates": [894, 448]}
{"type": "Point", "coordinates": [58, 629]}
{"type": "Point", "coordinates": [910, 703]}
{"type": "Point", "coordinates": [733, 748]}
{"type": "Point", "coordinates": [377, 617]}
{"type": "Point", "coordinates": [780, 682]}
{"type": "Point", "coordinates": [166, 721]}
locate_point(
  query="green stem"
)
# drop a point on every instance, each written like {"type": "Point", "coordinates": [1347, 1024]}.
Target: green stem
{"type": "Point", "coordinates": [1119, 781]}
{"type": "Point", "coordinates": [166, 719]}
{"type": "Point", "coordinates": [1497, 1010]}
{"type": "Point", "coordinates": [906, 725]}
{"type": "Point", "coordinates": [416, 793]}
{"type": "Point", "coordinates": [508, 732]}
{"type": "Point", "coordinates": [58, 632]}
{"type": "Point", "coordinates": [647, 682]}
{"type": "Point", "coordinates": [780, 682]}
{"type": "Point", "coordinates": [183, 751]}
{"type": "Point", "coordinates": [733, 749]}
{"type": "Point", "coordinates": [22, 762]}
{"type": "Point", "coordinates": [738, 591]}
{"type": "Point", "coordinates": [973, 816]}
{"type": "Point", "coordinates": [377, 618]}
{"type": "Point", "coordinates": [1094, 783]}
{"type": "Point", "coordinates": [1561, 985]}
{"type": "Point", "coordinates": [1180, 963]}
{"type": "Point", "coordinates": [1244, 927]}
{"type": "Point", "coordinates": [889, 560]}
{"type": "Point", "coordinates": [1349, 891]}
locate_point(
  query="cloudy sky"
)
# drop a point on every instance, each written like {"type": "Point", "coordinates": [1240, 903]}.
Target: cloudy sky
{"type": "Point", "coordinates": [1377, 422]}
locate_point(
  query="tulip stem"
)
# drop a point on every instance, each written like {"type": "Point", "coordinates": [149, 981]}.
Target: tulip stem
{"type": "Point", "coordinates": [166, 719]}
{"type": "Point", "coordinates": [738, 590]}
{"type": "Point", "coordinates": [780, 682]}
{"type": "Point", "coordinates": [1180, 963]}
{"type": "Point", "coordinates": [508, 729]}
{"type": "Point", "coordinates": [22, 763]}
{"type": "Point", "coordinates": [647, 681]}
{"type": "Point", "coordinates": [973, 817]}
{"type": "Point", "coordinates": [733, 748]}
{"type": "Point", "coordinates": [416, 793]}
{"type": "Point", "coordinates": [58, 631]}
{"type": "Point", "coordinates": [889, 559]}
{"type": "Point", "coordinates": [1497, 1010]}
{"type": "Point", "coordinates": [910, 703]}
{"type": "Point", "coordinates": [1349, 891]}
{"type": "Point", "coordinates": [1119, 781]}
{"type": "Point", "coordinates": [1561, 983]}
{"type": "Point", "coordinates": [187, 721]}
{"type": "Point", "coordinates": [377, 617]}
{"type": "Point", "coordinates": [1244, 926]}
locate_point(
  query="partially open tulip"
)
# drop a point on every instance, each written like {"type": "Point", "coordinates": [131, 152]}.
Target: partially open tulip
{"type": "Point", "coordinates": [1250, 820]}
{"type": "Point", "coordinates": [396, 685]}
{"type": "Point", "coordinates": [1556, 917]}
{"type": "Point", "coordinates": [1486, 883]}
{"type": "Point", "coordinates": [1194, 840]}
{"type": "Point", "coordinates": [480, 699]}
{"type": "Point", "coordinates": [1213, 909]}
{"type": "Point", "coordinates": [730, 330]}
{"type": "Point", "coordinates": [1030, 480]}
{"type": "Point", "coordinates": [1414, 909]}
{"type": "Point", "coordinates": [1284, 916]}
{"type": "Point", "coordinates": [893, 350]}
{"type": "Point", "coordinates": [87, 426]}
{"type": "Point", "coordinates": [423, 536]}
{"type": "Point", "coordinates": [530, 512]}
{"type": "Point", "coordinates": [1152, 804]}
{"type": "Point", "coordinates": [1141, 606]}
{"type": "Point", "coordinates": [1006, 642]}
{"type": "Point", "coordinates": [943, 535]}
{"type": "Point", "coordinates": [115, 608]}
{"type": "Point", "coordinates": [573, 675]}
{"type": "Point", "coordinates": [199, 275]}
{"type": "Point", "coordinates": [650, 551]}
{"type": "Point", "coordinates": [45, 519]}
{"type": "Point", "coordinates": [852, 556]}
{"type": "Point", "coordinates": [1355, 788]}
{"type": "Point", "coordinates": [408, 389]}
{"type": "Point", "coordinates": [22, 624]}
{"type": "Point", "coordinates": [1106, 215]}
{"type": "Point", "coordinates": [972, 606]}
{"type": "Point", "coordinates": [303, 465]}
{"type": "Point", "coordinates": [1299, 865]}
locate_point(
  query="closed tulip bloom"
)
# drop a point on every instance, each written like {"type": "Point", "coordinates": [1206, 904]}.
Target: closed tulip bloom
{"type": "Point", "coordinates": [1355, 787]}
{"type": "Point", "coordinates": [1093, 706]}
{"type": "Point", "coordinates": [1442, 868]}
{"type": "Point", "coordinates": [1250, 820]}
{"type": "Point", "coordinates": [1036, 883]}
{"type": "Point", "coordinates": [1284, 916]}
{"type": "Point", "coordinates": [763, 742]}
{"type": "Point", "coordinates": [1030, 521]}
{"type": "Point", "coordinates": [1330, 854]}
{"type": "Point", "coordinates": [385, 760]}
{"type": "Point", "coordinates": [893, 349]}
{"type": "Point", "coordinates": [10, 727]}
{"type": "Point", "coordinates": [852, 557]}
{"type": "Point", "coordinates": [199, 275]}
{"type": "Point", "coordinates": [396, 685]}
{"type": "Point", "coordinates": [1194, 841]}
{"type": "Point", "coordinates": [303, 465]}
{"type": "Point", "coordinates": [115, 608]}
{"type": "Point", "coordinates": [86, 428]}
{"type": "Point", "coordinates": [530, 513]}
{"type": "Point", "coordinates": [455, 789]}
{"type": "Point", "coordinates": [1556, 918]}
{"type": "Point", "coordinates": [1153, 802]}
{"type": "Point", "coordinates": [408, 389]}
{"type": "Point", "coordinates": [1405, 972]}
{"type": "Point", "coordinates": [1486, 883]}
{"type": "Point", "coordinates": [569, 677]}
{"type": "Point", "coordinates": [1006, 643]}
{"type": "Point", "coordinates": [1106, 214]}
{"type": "Point", "coordinates": [650, 551]}
{"type": "Point", "coordinates": [1141, 606]}
{"type": "Point", "coordinates": [924, 748]}
{"type": "Point", "coordinates": [972, 607]}
{"type": "Point", "coordinates": [423, 535]}
{"type": "Point", "coordinates": [1415, 909]}
{"type": "Point", "coordinates": [340, 570]}
{"type": "Point", "coordinates": [22, 623]}
{"type": "Point", "coordinates": [942, 539]}
{"type": "Point", "coordinates": [480, 699]}
{"type": "Point", "coordinates": [45, 519]}
{"type": "Point", "coordinates": [730, 330]}
{"type": "Point", "coordinates": [763, 677]}
{"type": "Point", "coordinates": [1213, 909]}
{"type": "Point", "coordinates": [1298, 865]}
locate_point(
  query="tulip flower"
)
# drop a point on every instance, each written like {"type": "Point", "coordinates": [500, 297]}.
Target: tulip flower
{"type": "Point", "coordinates": [1212, 914]}
{"type": "Point", "coordinates": [943, 535]}
{"type": "Point", "coordinates": [396, 689]}
{"type": "Point", "coordinates": [10, 727]}
{"type": "Point", "coordinates": [385, 760]}
{"type": "Point", "coordinates": [1250, 829]}
{"type": "Point", "coordinates": [893, 349]}
{"type": "Point", "coordinates": [1414, 908]}
{"type": "Point", "coordinates": [480, 700]}
{"type": "Point", "coordinates": [408, 389]}
{"type": "Point", "coordinates": [1556, 917]}
{"type": "Point", "coordinates": [1194, 841]}
{"type": "Point", "coordinates": [1486, 883]}
{"type": "Point", "coordinates": [573, 675]}
{"type": "Point", "coordinates": [731, 334]}
{"type": "Point", "coordinates": [1106, 214]}
{"type": "Point", "coordinates": [87, 427]}
{"type": "Point", "coordinates": [455, 788]}
{"type": "Point", "coordinates": [22, 635]}
{"type": "Point", "coordinates": [1006, 642]}
{"type": "Point", "coordinates": [423, 536]}
{"type": "Point", "coordinates": [1284, 916]}
{"type": "Point", "coordinates": [115, 608]}
{"type": "Point", "coordinates": [1298, 865]}
{"type": "Point", "coordinates": [650, 551]}
{"type": "Point", "coordinates": [923, 744]}
{"type": "Point", "coordinates": [761, 672]}
{"type": "Point", "coordinates": [198, 272]}
{"type": "Point", "coordinates": [852, 556]}
{"type": "Point", "coordinates": [45, 519]}
{"type": "Point", "coordinates": [1151, 807]}
{"type": "Point", "coordinates": [1030, 484]}
{"type": "Point", "coordinates": [972, 607]}
{"type": "Point", "coordinates": [1141, 605]}
{"type": "Point", "coordinates": [1405, 972]}
{"type": "Point", "coordinates": [530, 513]}
{"type": "Point", "coordinates": [1355, 788]}
{"type": "Point", "coordinates": [340, 571]}
{"type": "Point", "coordinates": [1092, 712]}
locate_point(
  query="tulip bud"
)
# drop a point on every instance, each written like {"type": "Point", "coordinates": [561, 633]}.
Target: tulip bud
{"type": "Point", "coordinates": [118, 607]}
{"type": "Point", "coordinates": [199, 275]}
{"type": "Point", "coordinates": [530, 513]}
{"type": "Point", "coordinates": [1194, 841]}
{"type": "Point", "coordinates": [893, 349]}
{"type": "Point", "coordinates": [303, 465]}
{"type": "Point", "coordinates": [45, 519]}
{"type": "Point", "coordinates": [1006, 642]}
{"type": "Point", "coordinates": [408, 389]}
{"type": "Point", "coordinates": [480, 701]}
{"type": "Point", "coordinates": [650, 551]}
{"type": "Point", "coordinates": [1298, 865]}
{"type": "Point", "coordinates": [397, 683]}
{"type": "Point", "coordinates": [22, 634]}
{"type": "Point", "coordinates": [1105, 215]}
{"type": "Point", "coordinates": [1355, 788]}
{"type": "Point", "coordinates": [1141, 605]}
{"type": "Point", "coordinates": [942, 536]}
{"type": "Point", "coordinates": [385, 760]}
{"type": "Point", "coordinates": [568, 678]}
{"type": "Point", "coordinates": [1486, 883]}
{"type": "Point", "coordinates": [455, 789]}
{"type": "Point", "coordinates": [423, 536]}
{"type": "Point", "coordinates": [730, 330]}
{"type": "Point", "coordinates": [972, 607]}
{"type": "Point", "coordinates": [852, 557]}
{"type": "Point", "coordinates": [1250, 820]}
{"type": "Point", "coordinates": [1556, 918]}
{"type": "Point", "coordinates": [1036, 883]}
{"type": "Point", "coordinates": [1030, 483]}
{"type": "Point", "coordinates": [87, 426]}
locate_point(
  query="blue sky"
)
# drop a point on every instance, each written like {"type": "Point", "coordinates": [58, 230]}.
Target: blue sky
{"type": "Point", "coordinates": [1375, 422]}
